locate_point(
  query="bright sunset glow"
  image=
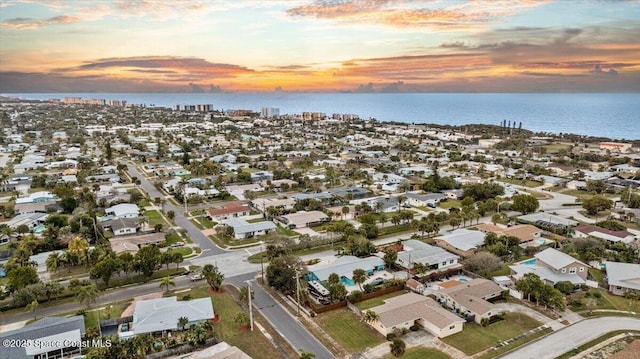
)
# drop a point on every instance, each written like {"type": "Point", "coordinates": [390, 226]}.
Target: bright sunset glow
{"type": "Point", "coordinates": [321, 45]}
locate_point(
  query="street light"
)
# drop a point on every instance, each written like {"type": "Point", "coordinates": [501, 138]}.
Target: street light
{"type": "Point", "coordinates": [261, 263]}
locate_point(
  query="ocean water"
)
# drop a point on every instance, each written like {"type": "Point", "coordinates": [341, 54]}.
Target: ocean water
{"type": "Point", "coordinates": [613, 115]}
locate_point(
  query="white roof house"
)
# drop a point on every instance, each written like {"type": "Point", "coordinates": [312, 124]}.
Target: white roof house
{"type": "Point", "coordinates": [622, 277]}
{"type": "Point", "coordinates": [123, 210]}
{"type": "Point", "coordinates": [157, 315]}
{"type": "Point", "coordinates": [244, 229]}
{"type": "Point", "coordinates": [344, 267]}
{"type": "Point", "coordinates": [464, 239]}
{"type": "Point", "coordinates": [420, 252]}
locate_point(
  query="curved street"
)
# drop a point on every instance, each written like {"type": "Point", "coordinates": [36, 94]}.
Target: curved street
{"type": "Point", "coordinates": [564, 340]}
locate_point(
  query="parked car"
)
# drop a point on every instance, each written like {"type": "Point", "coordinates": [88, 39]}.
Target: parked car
{"type": "Point", "coordinates": [125, 327]}
{"type": "Point", "coordinates": [197, 276]}
{"type": "Point", "coordinates": [431, 205]}
{"type": "Point", "coordinates": [177, 244]}
{"type": "Point", "coordinates": [377, 281]}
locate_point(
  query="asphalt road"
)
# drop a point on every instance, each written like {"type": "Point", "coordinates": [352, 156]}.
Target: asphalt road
{"type": "Point", "coordinates": [110, 296]}
{"type": "Point", "coordinates": [286, 324]}
{"type": "Point", "coordinates": [207, 246]}
{"type": "Point", "coordinates": [575, 335]}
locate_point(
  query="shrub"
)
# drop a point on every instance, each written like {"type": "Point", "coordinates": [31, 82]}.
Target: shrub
{"type": "Point", "coordinates": [355, 296]}
{"type": "Point", "coordinates": [368, 288]}
{"type": "Point", "coordinates": [597, 294]}
{"type": "Point", "coordinates": [414, 328]}
{"type": "Point", "coordinates": [391, 336]}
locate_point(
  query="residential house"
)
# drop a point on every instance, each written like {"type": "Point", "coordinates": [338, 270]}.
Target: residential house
{"type": "Point", "coordinates": [37, 197]}
{"type": "Point", "coordinates": [49, 337]}
{"type": "Point", "coordinates": [407, 310]}
{"type": "Point", "coordinates": [524, 232]}
{"type": "Point", "coordinates": [243, 229]}
{"type": "Point", "coordinates": [420, 252]}
{"type": "Point", "coordinates": [623, 277]}
{"type": "Point", "coordinates": [552, 266]}
{"type": "Point", "coordinates": [414, 286]}
{"type": "Point", "coordinates": [461, 241]}
{"type": "Point", "coordinates": [262, 204]}
{"type": "Point", "coordinates": [471, 298]}
{"type": "Point", "coordinates": [123, 210]}
{"type": "Point", "coordinates": [31, 220]}
{"type": "Point", "coordinates": [162, 314]}
{"type": "Point", "coordinates": [121, 226]}
{"type": "Point", "coordinates": [228, 210]}
{"type": "Point", "coordinates": [302, 219]}
{"type": "Point", "coordinates": [133, 243]}
{"type": "Point", "coordinates": [586, 230]}
{"type": "Point", "coordinates": [424, 200]}
{"type": "Point", "coordinates": [453, 193]}
{"type": "Point", "coordinates": [344, 267]}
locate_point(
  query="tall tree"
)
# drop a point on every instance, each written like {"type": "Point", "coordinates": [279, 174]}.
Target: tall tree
{"type": "Point", "coordinates": [359, 276]}
{"type": "Point", "coordinates": [213, 276]}
{"type": "Point", "coordinates": [166, 282]}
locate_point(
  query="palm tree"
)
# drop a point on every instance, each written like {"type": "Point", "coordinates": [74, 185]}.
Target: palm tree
{"type": "Point", "coordinates": [54, 262]}
{"type": "Point", "coordinates": [345, 211]}
{"type": "Point", "coordinates": [243, 296]}
{"type": "Point", "coordinates": [143, 221]}
{"type": "Point", "coordinates": [359, 276]}
{"type": "Point", "coordinates": [213, 276]}
{"type": "Point", "coordinates": [87, 294]}
{"type": "Point", "coordinates": [32, 307]}
{"type": "Point", "coordinates": [397, 347]}
{"type": "Point", "coordinates": [78, 246]}
{"type": "Point", "coordinates": [166, 282]}
{"type": "Point", "coordinates": [306, 355]}
{"type": "Point", "coordinates": [182, 322]}
{"type": "Point", "coordinates": [370, 316]}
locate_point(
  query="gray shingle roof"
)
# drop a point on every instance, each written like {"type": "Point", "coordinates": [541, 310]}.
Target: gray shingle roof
{"type": "Point", "coordinates": [45, 327]}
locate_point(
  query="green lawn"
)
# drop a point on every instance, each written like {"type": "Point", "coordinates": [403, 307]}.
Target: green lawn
{"type": "Point", "coordinates": [253, 343]}
{"type": "Point", "coordinates": [450, 203]}
{"type": "Point", "coordinates": [373, 302]}
{"type": "Point", "coordinates": [394, 229]}
{"type": "Point", "coordinates": [475, 338]}
{"type": "Point", "coordinates": [597, 274]}
{"type": "Point", "coordinates": [185, 251]}
{"type": "Point", "coordinates": [77, 271]}
{"type": "Point", "coordinates": [206, 222]}
{"type": "Point", "coordinates": [286, 231]}
{"type": "Point", "coordinates": [352, 334]}
{"type": "Point", "coordinates": [109, 311]}
{"type": "Point", "coordinates": [154, 218]}
{"type": "Point", "coordinates": [589, 300]}
{"type": "Point", "coordinates": [422, 353]}
{"type": "Point", "coordinates": [171, 239]}
{"type": "Point", "coordinates": [555, 147]}
{"type": "Point", "coordinates": [196, 223]}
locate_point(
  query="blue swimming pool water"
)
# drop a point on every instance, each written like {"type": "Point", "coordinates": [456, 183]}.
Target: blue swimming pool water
{"type": "Point", "coordinates": [530, 262]}
{"type": "Point", "coordinates": [462, 280]}
{"type": "Point", "coordinates": [39, 229]}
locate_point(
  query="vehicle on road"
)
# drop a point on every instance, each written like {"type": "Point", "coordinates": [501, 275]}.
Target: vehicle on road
{"type": "Point", "coordinates": [197, 276]}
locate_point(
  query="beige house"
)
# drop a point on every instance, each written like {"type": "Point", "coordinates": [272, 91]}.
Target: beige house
{"type": "Point", "coordinates": [524, 232]}
{"type": "Point", "coordinates": [413, 309]}
{"type": "Point", "coordinates": [471, 298]}
{"type": "Point", "coordinates": [623, 277]}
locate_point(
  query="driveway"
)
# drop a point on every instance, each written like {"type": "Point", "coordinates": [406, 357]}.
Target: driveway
{"type": "Point", "coordinates": [575, 335]}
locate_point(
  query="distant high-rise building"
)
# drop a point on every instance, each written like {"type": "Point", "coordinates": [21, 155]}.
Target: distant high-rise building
{"type": "Point", "coordinates": [270, 112]}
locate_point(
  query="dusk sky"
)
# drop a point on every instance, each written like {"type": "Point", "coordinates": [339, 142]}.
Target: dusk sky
{"type": "Point", "coordinates": [321, 45]}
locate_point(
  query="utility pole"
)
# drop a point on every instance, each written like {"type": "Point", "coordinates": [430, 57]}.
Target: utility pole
{"type": "Point", "coordinates": [250, 307]}
{"type": "Point", "coordinates": [298, 290]}
{"type": "Point", "coordinates": [261, 263]}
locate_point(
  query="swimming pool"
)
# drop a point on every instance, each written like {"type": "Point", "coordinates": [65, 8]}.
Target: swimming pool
{"type": "Point", "coordinates": [39, 229]}
{"type": "Point", "coordinates": [530, 262]}
{"type": "Point", "coordinates": [462, 280]}
{"type": "Point", "coordinates": [540, 240]}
